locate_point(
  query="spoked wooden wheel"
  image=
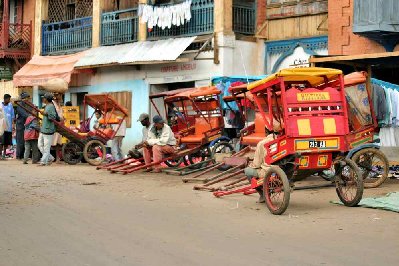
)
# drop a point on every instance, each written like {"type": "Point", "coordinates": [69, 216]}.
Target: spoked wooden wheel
{"type": "Point", "coordinates": [174, 162]}
{"type": "Point", "coordinates": [94, 152]}
{"type": "Point", "coordinates": [349, 182]}
{"type": "Point", "coordinates": [276, 189]}
{"type": "Point", "coordinates": [373, 165]}
{"type": "Point", "coordinates": [195, 159]}
{"type": "Point", "coordinates": [72, 152]}
{"type": "Point", "coordinates": [222, 147]}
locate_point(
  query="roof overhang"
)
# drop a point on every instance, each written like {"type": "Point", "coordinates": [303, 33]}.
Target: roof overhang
{"type": "Point", "coordinates": [40, 69]}
{"type": "Point", "coordinates": [385, 60]}
{"type": "Point", "coordinates": [142, 53]}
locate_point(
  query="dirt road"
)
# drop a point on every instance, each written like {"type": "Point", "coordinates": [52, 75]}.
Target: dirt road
{"type": "Point", "coordinates": [48, 217]}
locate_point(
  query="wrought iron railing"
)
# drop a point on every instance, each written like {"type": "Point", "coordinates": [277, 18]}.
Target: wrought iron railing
{"type": "Point", "coordinates": [119, 26]}
{"type": "Point", "coordinates": [67, 36]}
{"type": "Point", "coordinates": [201, 22]}
{"type": "Point", "coordinates": [244, 18]}
{"type": "Point", "coordinates": [16, 39]}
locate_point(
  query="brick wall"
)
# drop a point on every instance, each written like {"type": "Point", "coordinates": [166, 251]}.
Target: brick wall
{"type": "Point", "coordinates": [261, 12]}
{"type": "Point", "coordinates": [341, 39]}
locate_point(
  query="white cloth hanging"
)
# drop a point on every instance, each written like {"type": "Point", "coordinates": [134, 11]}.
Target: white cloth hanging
{"type": "Point", "coordinates": [166, 16]}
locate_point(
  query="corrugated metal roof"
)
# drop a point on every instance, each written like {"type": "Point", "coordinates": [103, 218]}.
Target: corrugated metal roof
{"type": "Point", "coordinates": [135, 53]}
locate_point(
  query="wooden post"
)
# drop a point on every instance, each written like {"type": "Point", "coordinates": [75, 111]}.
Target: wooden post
{"type": "Point", "coordinates": [41, 14]}
{"type": "Point", "coordinates": [223, 16]}
{"type": "Point", "coordinates": [142, 26]}
{"type": "Point", "coordinates": [96, 27]}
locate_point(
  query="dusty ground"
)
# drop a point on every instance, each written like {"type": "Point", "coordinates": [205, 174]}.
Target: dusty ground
{"type": "Point", "coordinates": [48, 217]}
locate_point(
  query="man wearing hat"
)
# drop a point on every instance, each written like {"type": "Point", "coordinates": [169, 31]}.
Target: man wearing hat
{"type": "Point", "coordinates": [21, 115]}
{"type": "Point", "coordinates": [47, 130]}
{"type": "Point", "coordinates": [160, 142]}
{"type": "Point", "coordinates": [144, 119]}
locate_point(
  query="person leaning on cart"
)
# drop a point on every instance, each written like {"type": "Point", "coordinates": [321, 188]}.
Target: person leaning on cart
{"type": "Point", "coordinates": [257, 168]}
{"type": "Point", "coordinates": [47, 130]}
{"type": "Point", "coordinates": [137, 152]}
{"type": "Point", "coordinates": [161, 141]}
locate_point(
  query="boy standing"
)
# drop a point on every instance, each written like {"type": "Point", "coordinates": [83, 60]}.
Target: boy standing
{"type": "Point", "coordinates": [9, 116]}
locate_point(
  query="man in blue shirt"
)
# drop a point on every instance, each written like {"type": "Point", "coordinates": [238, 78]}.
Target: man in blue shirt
{"type": "Point", "coordinates": [9, 115]}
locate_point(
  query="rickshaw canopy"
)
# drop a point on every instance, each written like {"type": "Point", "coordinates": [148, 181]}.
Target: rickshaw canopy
{"type": "Point", "coordinates": [194, 93]}
{"type": "Point", "coordinates": [314, 75]}
{"type": "Point", "coordinates": [105, 103]}
{"type": "Point", "coordinates": [168, 93]}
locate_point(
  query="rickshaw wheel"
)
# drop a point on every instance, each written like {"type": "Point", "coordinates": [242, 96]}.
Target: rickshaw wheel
{"type": "Point", "coordinates": [72, 153]}
{"type": "Point", "coordinates": [195, 159]}
{"type": "Point", "coordinates": [373, 165]}
{"type": "Point", "coordinates": [276, 189]}
{"type": "Point", "coordinates": [94, 152]}
{"type": "Point", "coordinates": [349, 183]}
{"type": "Point", "coordinates": [222, 147]}
{"type": "Point", "coordinates": [175, 162]}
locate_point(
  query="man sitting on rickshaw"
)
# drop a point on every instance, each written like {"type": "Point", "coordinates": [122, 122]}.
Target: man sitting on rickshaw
{"type": "Point", "coordinates": [161, 141]}
{"type": "Point", "coordinates": [257, 168]}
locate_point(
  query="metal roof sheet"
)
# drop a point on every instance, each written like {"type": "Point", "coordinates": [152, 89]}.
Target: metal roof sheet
{"type": "Point", "coordinates": [135, 53]}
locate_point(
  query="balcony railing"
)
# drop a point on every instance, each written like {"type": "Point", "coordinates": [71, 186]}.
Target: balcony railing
{"type": "Point", "coordinates": [201, 22]}
{"type": "Point", "coordinates": [15, 40]}
{"type": "Point", "coordinates": [244, 18]}
{"type": "Point", "coordinates": [67, 36]}
{"type": "Point", "coordinates": [119, 27]}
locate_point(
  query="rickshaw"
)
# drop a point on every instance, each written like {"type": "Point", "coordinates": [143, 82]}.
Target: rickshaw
{"type": "Point", "coordinates": [364, 151]}
{"type": "Point", "coordinates": [196, 119]}
{"type": "Point", "coordinates": [310, 106]}
{"type": "Point", "coordinates": [91, 145]}
{"type": "Point", "coordinates": [198, 111]}
{"type": "Point", "coordinates": [251, 134]}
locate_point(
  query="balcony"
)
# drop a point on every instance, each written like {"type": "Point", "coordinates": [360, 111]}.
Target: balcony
{"type": "Point", "coordinates": [119, 27]}
{"type": "Point", "coordinates": [201, 22]}
{"type": "Point", "coordinates": [244, 18]}
{"type": "Point", "coordinates": [15, 40]}
{"type": "Point", "coordinates": [66, 37]}
{"type": "Point", "coordinates": [377, 20]}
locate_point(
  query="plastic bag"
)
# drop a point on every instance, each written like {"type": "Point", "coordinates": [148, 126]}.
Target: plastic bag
{"type": "Point", "coordinates": [56, 85]}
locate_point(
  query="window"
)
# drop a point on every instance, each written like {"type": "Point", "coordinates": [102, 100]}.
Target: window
{"type": "Point", "coordinates": [124, 98]}
{"type": "Point", "coordinates": [70, 10]}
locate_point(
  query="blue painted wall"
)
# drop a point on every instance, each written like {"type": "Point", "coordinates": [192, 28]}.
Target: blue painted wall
{"type": "Point", "coordinates": [140, 104]}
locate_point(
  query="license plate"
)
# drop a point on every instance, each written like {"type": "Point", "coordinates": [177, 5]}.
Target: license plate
{"type": "Point", "coordinates": [313, 144]}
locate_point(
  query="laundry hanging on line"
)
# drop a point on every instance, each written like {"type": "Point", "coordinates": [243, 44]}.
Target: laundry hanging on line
{"type": "Point", "coordinates": [386, 108]}
{"type": "Point", "coordinates": [165, 16]}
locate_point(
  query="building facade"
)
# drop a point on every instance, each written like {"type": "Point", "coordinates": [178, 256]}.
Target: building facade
{"type": "Point", "coordinates": [218, 40]}
{"type": "Point", "coordinates": [294, 31]}
{"type": "Point", "coordinates": [363, 26]}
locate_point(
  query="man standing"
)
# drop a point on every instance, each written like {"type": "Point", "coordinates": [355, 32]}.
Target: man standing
{"type": "Point", "coordinates": [22, 115]}
{"type": "Point", "coordinates": [144, 119]}
{"type": "Point", "coordinates": [116, 148]}
{"type": "Point", "coordinates": [47, 130]}
{"type": "Point", "coordinates": [160, 142]}
{"type": "Point", "coordinates": [9, 116]}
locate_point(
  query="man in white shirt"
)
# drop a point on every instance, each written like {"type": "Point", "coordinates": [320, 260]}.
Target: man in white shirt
{"type": "Point", "coordinates": [161, 141]}
{"type": "Point", "coordinates": [116, 148]}
{"type": "Point", "coordinates": [137, 152]}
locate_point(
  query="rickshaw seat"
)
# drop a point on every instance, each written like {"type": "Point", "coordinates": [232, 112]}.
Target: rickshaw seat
{"type": "Point", "coordinates": [253, 139]}
{"type": "Point", "coordinates": [259, 124]}
{"type": "Point", "coordinates": [259, 132]}
{"type": "Point", "coordinates": [201, 126]}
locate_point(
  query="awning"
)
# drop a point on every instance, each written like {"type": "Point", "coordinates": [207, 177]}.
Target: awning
{"type": "Point", "coordinates": [148, 52]}
{"type": "Point", "coordinates": [40, 69]}
{"type": "Point", "coordinates": [375, 59]}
